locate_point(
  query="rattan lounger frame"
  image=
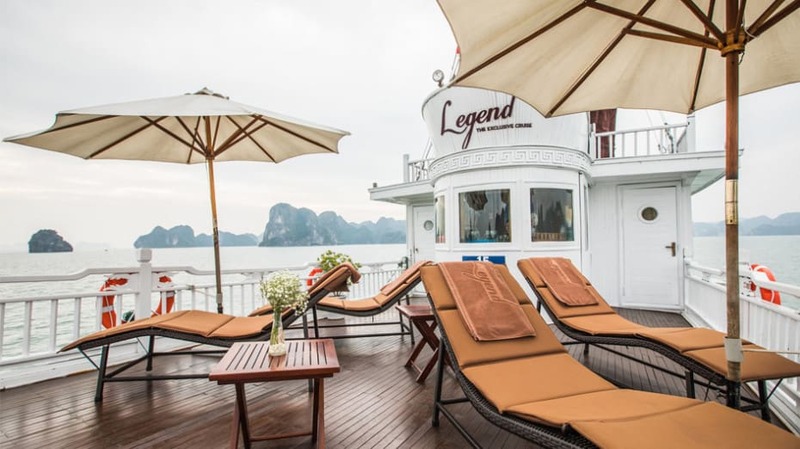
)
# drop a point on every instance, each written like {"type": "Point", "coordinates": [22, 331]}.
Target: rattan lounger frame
{"type": "Point", "coordinates": [542, 435]}
{"type": "Point", "coordinates": [692, 367]}
{"type": "Point", "coordinates": [405, 327]}
{"type": "Point", "coordinates": [104, 375]}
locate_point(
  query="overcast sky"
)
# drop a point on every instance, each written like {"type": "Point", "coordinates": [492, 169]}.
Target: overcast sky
{"type": "Point", "coordinates": [358, 65]}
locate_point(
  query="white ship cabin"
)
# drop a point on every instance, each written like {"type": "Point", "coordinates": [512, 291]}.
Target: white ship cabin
{"type": "Point", "coordinates": [500, 182]}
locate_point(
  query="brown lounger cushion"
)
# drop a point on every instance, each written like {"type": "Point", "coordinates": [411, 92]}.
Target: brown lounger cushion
{"type": "Point", "coordinates": [706, 425]}
{"type": "Point", "coordinates": [196, 322]}
{"type": "Point", "coordinates": [470, 352]}
{"type": "Point", "coordinates": [361, 305]}
{"type": "Point", "coordinates": [332, 301]}
{"type": "Point", "coordinates": [408, 276]}
{"type": "Point", "coordinates": [480, 291]}
{"type": "Point", "coordinates": [610, 404]}
{"type": "Point", "coordinates": [683, 339]}
{"type": "Point", "coordinates": [530, 379]}
{"type": "Point", "coordinates": [266, 309]}
{"type": "Point", "coordinates": [336, 279]}
{"type": "Point", "coordinates": [607, 323]}
{"type": "Point", "coordinates": [761, 365]}
{"type": "Point", "coordinates": [123, 328]}
{"type": "Point", "coordinates": [565, 282]}
{"type": "Point", "coordinates": [243, 327]}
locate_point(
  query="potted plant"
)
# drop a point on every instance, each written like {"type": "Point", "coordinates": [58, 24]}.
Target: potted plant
{"type": "Point", "coordinates": [283, 291]}
{"type": "Point", "coordinates": [328, 261]}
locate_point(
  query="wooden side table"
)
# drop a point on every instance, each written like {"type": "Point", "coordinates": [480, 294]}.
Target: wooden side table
{"type": "Point", "coordinates": [249, 362]}
{"type": "Point", "coordinates": [421, 316]}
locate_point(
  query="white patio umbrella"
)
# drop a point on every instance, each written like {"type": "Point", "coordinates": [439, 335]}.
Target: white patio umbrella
{"type": "Point", "coordinates": [566, 56]}
{"type": "Point", "coordinates": [203, 127]}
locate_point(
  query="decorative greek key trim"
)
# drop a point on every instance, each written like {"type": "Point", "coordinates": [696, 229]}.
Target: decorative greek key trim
{"type": "Point", "coordinates": [541, 156]}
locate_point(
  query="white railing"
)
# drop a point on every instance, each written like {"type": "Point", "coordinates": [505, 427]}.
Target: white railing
{"type": "Point", "coordinates": [416, 170]}
{"type": "Point", "coordinates": [33, 328]}
{"type": "Point", "coordinates": [652, 141]}
{"type": "Point", "coordinates": [772, 326]}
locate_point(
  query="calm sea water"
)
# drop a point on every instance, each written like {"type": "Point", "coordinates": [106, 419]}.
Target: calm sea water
{"type": "Point", "coordinates": [780, 253]}
{"type": "Point", "coordinates": [23, 264]}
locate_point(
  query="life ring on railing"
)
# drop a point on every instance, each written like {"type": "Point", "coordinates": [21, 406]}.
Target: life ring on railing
{"type": "Point", "coordinates": [168, 296]}
{"type": "Point", "coordinates": [109, 317]}
{"type": "Point", "coordinates": [312, 274]}
{"type": "Point", "coordinates": [762, 273]}
{"type": "Point", "coordinates": [109, 314]}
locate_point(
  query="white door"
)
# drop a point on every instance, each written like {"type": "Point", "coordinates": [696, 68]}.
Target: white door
{"type": "Point", "coordinates": [423, 238]}
{"type": "Point", "coordinates": [650, 252]}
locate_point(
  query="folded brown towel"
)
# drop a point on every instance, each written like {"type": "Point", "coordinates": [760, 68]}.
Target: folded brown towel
{"type": "Point", "coordinates": [487, 305]}
{"type": "Point", "coordinates": [565, 282]}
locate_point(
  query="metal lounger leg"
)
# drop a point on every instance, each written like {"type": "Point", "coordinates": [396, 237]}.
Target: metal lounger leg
{"type": "Point", "coordinates": [690, 384]}
{"type": "Point", "coordinates": [763, 400]}
{"type": "Point", "coordinates": [437, 388]}
{"type": "Point", "coordinates": [150, 348]}
{"type": "Point", "coordinates": [101, 374]}
{"type": "Point", "coordinates": [316, 324]}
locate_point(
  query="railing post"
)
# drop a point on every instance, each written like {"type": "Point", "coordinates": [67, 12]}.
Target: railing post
{"type": "Point", "coordinates": [406, 168]}
{"type": "Point", "coordinates": [143, 292]}
{"type": "Point", "coordinates": [691, 133]}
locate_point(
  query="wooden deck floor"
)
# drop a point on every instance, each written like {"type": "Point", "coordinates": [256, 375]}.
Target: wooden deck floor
{"type": "Point", "coordinates": [373, 403]}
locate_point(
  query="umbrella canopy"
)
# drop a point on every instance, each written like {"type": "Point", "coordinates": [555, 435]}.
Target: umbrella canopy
{"type": "Point", "coordinates": [566, 56]}
{"type": "Point", "coordinates": [203, 127]}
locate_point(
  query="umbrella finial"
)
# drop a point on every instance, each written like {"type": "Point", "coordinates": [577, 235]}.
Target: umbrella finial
{"type": "Point", "coordinates": [207, 91]}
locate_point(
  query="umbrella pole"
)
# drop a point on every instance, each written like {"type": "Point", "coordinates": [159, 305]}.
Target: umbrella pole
{"type": "Point", "coordinates": [215, 231]}
{"type": "Point", "coordinates": [733, 342]}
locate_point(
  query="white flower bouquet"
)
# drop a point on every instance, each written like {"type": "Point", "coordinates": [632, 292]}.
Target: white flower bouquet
{"type": "Point", "coordinates": [282, 290]}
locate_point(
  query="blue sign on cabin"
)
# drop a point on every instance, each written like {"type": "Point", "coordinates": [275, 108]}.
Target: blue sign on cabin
{"type": "Point", "coordinates": [499, 260]}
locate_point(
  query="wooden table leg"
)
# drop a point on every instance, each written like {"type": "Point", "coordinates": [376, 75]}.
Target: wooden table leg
{"type": "Point", "coordinates": [426, 329]}
{"type": "Point", "coordinates": [233, 440]}
{"type": "Point", "coordinates": [417, 349]}
{"type": "Point", "coordinates": [241, 411]}
{"type": "Point", "coordinates": [318, 418]}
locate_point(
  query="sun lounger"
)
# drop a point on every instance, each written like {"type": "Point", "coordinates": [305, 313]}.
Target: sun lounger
{"type": "Point", "coordinates": [196, 326]}
{"type": "Point", "coordinates": [388, 296]}
{"type": "Point", "coordinates": [532, 387]}
{"type": "Point", "coordinates": [699, 351]}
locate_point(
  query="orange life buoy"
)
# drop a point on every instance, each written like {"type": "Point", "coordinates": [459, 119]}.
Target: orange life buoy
{"type": "Point", "coordinates": [167, 296]}
{"type": "Point", "coordinates": [762, 273]}
{"type": "Point", "coordinates": [109, 314]}
{"type": "Point", "coordinates": [109, 317]}
{"type": "Point", "coordinates": [312, 274]}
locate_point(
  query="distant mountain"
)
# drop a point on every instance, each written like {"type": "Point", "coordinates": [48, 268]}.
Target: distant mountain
{"type": "Point", "coordinates": [784, 224]}
{"type": "Point", "coordinates": [228, 239]}
{"type": "Point", "coordinates": [183, 237]}
{"type": "Point", "coordinates": [289, 226]}
{"type": "Point", "coordinates": [48, 241]}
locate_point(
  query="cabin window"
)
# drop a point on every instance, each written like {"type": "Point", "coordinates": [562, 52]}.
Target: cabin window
{"type": "Point", "coordinates": [551, 215]}
{"type": "Point", "coordinates": [438, 224]}
{"type": "Point", "coordinates": [484, 216]}
{"type": "Point", "coordinates": [649, 214]}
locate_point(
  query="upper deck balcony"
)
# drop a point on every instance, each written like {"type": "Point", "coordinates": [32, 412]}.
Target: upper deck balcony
{"type": "Point", "coordinates": [633, 153]}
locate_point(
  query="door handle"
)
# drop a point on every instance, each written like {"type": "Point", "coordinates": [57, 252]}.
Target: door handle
{"type": "Point", "coordinates": [672, 247]}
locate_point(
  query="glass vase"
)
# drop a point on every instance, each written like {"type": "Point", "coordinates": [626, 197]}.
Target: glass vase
{"type": "Point", "coordinates": [277, 341]}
